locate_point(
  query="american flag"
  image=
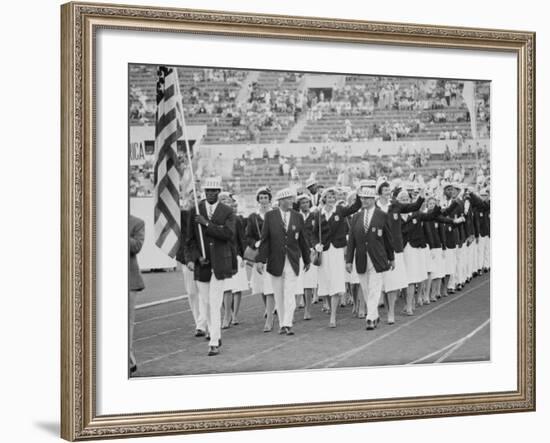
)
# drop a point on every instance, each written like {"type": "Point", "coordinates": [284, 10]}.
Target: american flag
{"type": "Point", "coordinates": [168, 130]}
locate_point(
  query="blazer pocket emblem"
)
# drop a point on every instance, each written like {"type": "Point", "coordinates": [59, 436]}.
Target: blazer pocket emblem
{"type": "Point", "coordinates": [293, 227]}
{"type": "Point", "coordinates": [336, 218]}
{"type": "Point", "coordinates": [373, 229]}
{"type": "Point", "coordinates": [297, 235]}
{"type": "Point", "coordinates": [395, 216]}
{"type": "Point", "coordinates": [481, 214]}
{"type": "Point", "coordinates": [450, 229]}
{"type": "Point", "coordinates": [414, 221]}
{"type": "Point", "coordinates": [380, 233]}
{"type": "Point", "coordinates": [436, 225]}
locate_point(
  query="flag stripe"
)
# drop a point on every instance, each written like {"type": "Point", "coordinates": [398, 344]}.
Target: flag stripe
{"type": "Point", "coordinates": [168, 129]}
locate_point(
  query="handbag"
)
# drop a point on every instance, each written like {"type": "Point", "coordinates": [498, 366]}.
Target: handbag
{"type": "Point", "coordinates": [316, 256]}
{"type": "Point", "coordinates": [251, 253]}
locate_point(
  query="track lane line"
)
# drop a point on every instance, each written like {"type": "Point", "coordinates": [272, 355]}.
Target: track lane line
{"type": "Point", "coordinates": [334, 360]}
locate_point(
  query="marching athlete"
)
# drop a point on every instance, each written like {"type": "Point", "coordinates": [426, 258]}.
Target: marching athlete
{"type": "Point", "coordinates": [371, 248]}
{"type": "Point", "coordinates": [332, 279]}
{"type": "Point", "coordinates": [218, 262]}
{"type": "Point", "coordinates": [282, 245]}
{"type": "Point", "coordinates": [260, 284]}
{"type": "Point", "coordinates": [395, 279]}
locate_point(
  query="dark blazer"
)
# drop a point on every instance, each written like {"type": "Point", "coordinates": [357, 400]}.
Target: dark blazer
{"type": "Point", "coordinates": [136, 230]}
{"type": "Point", "coordinates": [434, 231]}
{"type": "Point", "coordinates": [218, 237]}
{"type": "Point", "coordinates": [240, 239]}
{"type": "Point", "coordinates": [413, 231]}
{"type": "Point", "coordinates": [395, 208]}
{"type": "Point", "coordinates": [455, 232]}
{"type": "Point", "coordinates": [482, 213]}
{"type": "Point", "coordinates": [311, 228]}
{"type": "Point", "coordinates": [276, 242]}
{"type": "Point", "coordinates": [334, 230]}
{"type": "Point", "coordinates": [376, 242]}
{"type": "Point", "coordinates": [253, 232]}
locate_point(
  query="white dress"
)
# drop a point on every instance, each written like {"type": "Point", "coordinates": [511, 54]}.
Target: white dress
{"type": "Point", "coordinates": [332, 272]}
{"type": "Point", "coordinates": [396, 278]}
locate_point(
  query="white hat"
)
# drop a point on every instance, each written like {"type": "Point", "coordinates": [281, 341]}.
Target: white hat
{"type": "Point", "coordinates": [310, 182]}
{"type": "Point", "coordinates": [263, 189]}
{"type": "Point", "coordinates": [224, 194]}
{"type": "Point", "coordinates": [484, 192]}
{"type": "Point", "coordinates": [212, 183]}
{"type": "Point", "coordinates": [409, 186]}
{"type": "Point", "coordinates": [367, 188]}
{"type": "Point", "coordinates": [367, 182]}
{"type": "Point", "coordinates": [445, 184]}
{"type": "Point", "coordinates": [327, 190]}
{"type": "Point", "coordinates": [380, 182]}
{"type": "Point", "coordinates": [402, 193]}
{"type": "Point", "coordinates": [285, 193]}
{"type": "Point", "coordinates": [303, 197]}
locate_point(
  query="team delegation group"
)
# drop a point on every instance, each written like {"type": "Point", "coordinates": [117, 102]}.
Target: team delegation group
{"type": "Point", "coordinates": [334, 246]}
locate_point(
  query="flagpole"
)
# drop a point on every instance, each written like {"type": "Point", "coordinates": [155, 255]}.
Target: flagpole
{"type": "Point", "coordinates": [192, 178]}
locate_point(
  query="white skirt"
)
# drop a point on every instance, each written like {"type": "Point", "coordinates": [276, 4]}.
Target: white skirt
{"type": "Point", "coordinates": [352, 277]}
{"type": "Point", "coordinates": [332, 272]}
{"type": "Point", "coordinates": [449, 255]}
{"type": "Point", "coordinates": [239, 282]}
{"type": "Point", "coordinates": [415, 262]}
{"type": "Point", "coordinates": [260, 283]}
{"type": "Point", "coordinates": [307, 280]}
{"type": "Point", "coordinates": [397, 278]}
{"type": "Point", "coordinates": [437, 263]}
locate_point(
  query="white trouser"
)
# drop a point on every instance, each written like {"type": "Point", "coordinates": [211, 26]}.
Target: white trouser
{"type": "Point", "coordinates": [193, 297]}
{"type": "Point", "coordinates": [131, 325]}
{"type": "Point", "coordinates": [284, 289]}
{"type": "Point", "coordinates": [210, 303]}
{"type": "Point", "coordinates": [486, 252]}
{"type": "Point", "coordinates": [371, 285]}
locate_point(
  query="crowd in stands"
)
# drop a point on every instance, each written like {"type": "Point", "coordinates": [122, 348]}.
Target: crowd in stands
{"type": "Point", "coordinates": [367, 108]}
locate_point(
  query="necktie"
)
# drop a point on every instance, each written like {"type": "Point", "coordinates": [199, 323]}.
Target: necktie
{"type": "Point", "coordinates": [367, 221]}
{"type": "Point", "coordinates": [285, 219]}
{"type": "Point", "coordinates": [210, 212]}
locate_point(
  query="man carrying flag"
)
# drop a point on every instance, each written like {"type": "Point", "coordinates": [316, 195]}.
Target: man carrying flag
{"type": "Point", "coordinates": [210, 256]}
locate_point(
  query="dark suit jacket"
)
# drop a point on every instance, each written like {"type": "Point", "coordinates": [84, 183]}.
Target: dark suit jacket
{"type": "Point", "coordinates": [377, 242]}
{"type": "Point", "coordinates": [218, 238]}
{"type": "Point", "coordinates": [276, 242]}
{"type": "Point", "coordinates": [136, 229]}
{"type": "Point", "coordinates": [253, 231]}
{"type": "Point", "coordinates": [334, 230]}
{"type": "Point", "coordinates": [311, 228]}
{"type": "Point", "coordinates": [413, 231]}
{"type": "Point", "coordinates": [482, 213]}
{"type": "Point", "coordinates": [434, 231]}
{"type": "Point", "coordinates": [395, 208]}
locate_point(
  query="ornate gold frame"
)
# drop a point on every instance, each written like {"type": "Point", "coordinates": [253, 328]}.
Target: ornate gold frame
{"type": "Point", "coordinates": [79, 21]}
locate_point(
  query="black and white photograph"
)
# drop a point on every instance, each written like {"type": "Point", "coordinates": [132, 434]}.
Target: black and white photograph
{"type": "Point", "coordinates": [283, 221]}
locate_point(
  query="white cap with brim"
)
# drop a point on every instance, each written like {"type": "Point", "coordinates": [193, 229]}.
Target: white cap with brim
{"type": "Point", "coordinates": [327, 190]}
{"type": "Point", "coordinates": [484, 192]}
{"type": "Point", "coordinates": [263, 190]}
{"type": "Point", "coordinates": [310, 182]}
{"type": "Point", "coordinates": [366, 192]}
{"type": "Point", "coordinates": [285, 193]}
{"type": "Point", "coordinates": [402, 194]}
{"type": "Point", "coordinates": [212, 183]}
{"type": "Point", "coordinates": [303, 197]}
